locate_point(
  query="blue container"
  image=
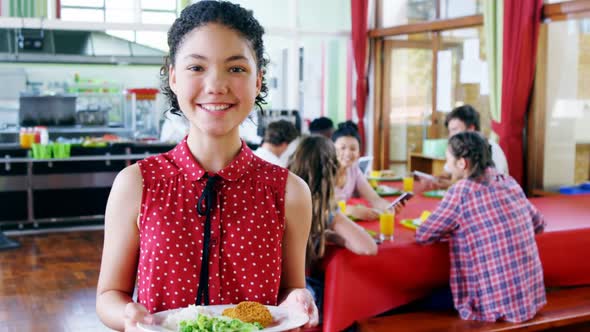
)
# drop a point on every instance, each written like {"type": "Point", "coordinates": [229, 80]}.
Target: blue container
{"type": "Point", "coordinates": [575, 190]}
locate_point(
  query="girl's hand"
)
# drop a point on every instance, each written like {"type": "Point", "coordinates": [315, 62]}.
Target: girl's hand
{"type": "Point", "coordinates": [134, 313]}
{"type": "Point", "coordinates": [300, 299]}
{"type": "Point", "coordinates": [443, 183]}
{"type": "Point", "coordinates": [398, 207]}
{"type": "Point", "coordinates": [426, 184]}
{"type": "Point", "coordinates": [362, 212]}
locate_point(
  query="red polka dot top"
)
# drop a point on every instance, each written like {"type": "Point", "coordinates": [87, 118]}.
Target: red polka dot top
{"type": "Point", "coordinates": [246, 225]}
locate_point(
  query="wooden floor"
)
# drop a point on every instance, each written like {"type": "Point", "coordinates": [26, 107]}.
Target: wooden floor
{"type": "Point", "coordinates": [49, 283]}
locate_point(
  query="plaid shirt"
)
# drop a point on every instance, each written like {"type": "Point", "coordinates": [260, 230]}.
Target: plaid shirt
{"type": "Point", "coordinates": [496, 273]}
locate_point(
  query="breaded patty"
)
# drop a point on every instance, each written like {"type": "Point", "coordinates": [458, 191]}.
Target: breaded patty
{"type": "Point", "coordinates": [250, 312]}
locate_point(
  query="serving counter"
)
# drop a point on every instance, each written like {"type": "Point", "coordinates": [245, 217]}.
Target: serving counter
{"type": "Point", "coordinates": [35, 192]}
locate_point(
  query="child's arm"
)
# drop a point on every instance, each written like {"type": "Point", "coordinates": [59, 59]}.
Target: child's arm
{"type": "Point", "coordinates": [536, 217]}
{"type": "Point", "coordinates": [292, 293]}
{"type": "Point", "coordinates": [539, 222]}
{"type": "Point", "coordinates": [356, 239]}
{"type": "Point", "coordinates": [443, 220]}
{"type": "Point", "coordinates": [368, 193]}
{"type": "Point", "coordinates": [114, 304]}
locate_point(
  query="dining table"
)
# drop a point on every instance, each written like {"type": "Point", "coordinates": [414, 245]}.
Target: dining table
{"type": "Point", "coordinates": [359, 287]}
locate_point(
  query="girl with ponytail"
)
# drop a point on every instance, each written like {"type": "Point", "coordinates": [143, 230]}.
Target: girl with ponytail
{"type": "Point", "coordinates": [496, 272]}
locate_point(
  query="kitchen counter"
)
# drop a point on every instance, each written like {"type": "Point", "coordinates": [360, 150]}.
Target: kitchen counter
{"type": "Point", "coordinates": [105, 157]}
{"type": "Point", "coordinates": [41, 192]}
{"type": "Point", "coordinates": [10, 146]}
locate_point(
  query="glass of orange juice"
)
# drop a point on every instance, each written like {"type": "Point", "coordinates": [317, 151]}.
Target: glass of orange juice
{"type": "Point", "coordinates": [342, 206]}
{"type": "Point", "coordinates": [373, 178]}
{"type": "Point", "coordinates": [386, 225]}
{"type": "Point", "coordinates": [408, 183]}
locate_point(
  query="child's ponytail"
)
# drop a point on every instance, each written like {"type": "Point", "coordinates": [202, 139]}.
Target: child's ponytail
{"type": "Point", "coordinates": [473, 147]}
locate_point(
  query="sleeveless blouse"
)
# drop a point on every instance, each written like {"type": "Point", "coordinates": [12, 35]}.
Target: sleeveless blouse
{"type": "Point", "coordinates": [247, 226]}
{"type": "Point", "coordinates": [354, 178]}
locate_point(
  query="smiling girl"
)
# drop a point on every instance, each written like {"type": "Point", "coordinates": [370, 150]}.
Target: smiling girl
{"type": "Point", "coordinates": [207, 222]}
{"type": "Point", "coordinates": [350, 179]}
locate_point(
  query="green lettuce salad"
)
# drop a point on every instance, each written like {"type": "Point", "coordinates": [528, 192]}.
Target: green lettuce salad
{"type": "Point", "coordinates": [206, 323]}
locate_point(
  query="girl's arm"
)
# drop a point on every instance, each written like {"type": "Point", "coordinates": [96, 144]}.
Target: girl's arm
{"type": "Point", "coordinates": [443, 220]}
{"type": "Point", "coordinates": [356, 239]}
{"type": "Point", "coordinates": [369, 194]}
{"type": "Point", "coordinates": [120, 253]}
{"type": "Point", "coordinates": [297, 225]}
{"type": "Point", "coordinates": [538, 220]}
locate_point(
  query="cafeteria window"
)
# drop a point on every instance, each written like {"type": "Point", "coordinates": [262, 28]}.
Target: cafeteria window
{"type": "Point", "coordinates": [414, 105]}
{"type": "Point", "coordinates": [563, 104]}
{"type": "Point", "coordinates": [119, 11]}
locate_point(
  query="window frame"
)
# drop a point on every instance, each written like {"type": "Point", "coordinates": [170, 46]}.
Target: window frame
{"type": "Point", "coordinates": [378, 40]}
{"type": "Point", "coordinates": [535, 122]}
{"type": "Point", "coordinates": [137, 5]}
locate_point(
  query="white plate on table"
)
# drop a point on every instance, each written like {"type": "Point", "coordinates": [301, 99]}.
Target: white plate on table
{"type": "Point", "coordinates": [283, 320]}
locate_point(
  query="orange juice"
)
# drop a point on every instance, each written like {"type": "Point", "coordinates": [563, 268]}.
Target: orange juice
{"type": "Point", "coordinates": [409, 183]}
{"type": "Point", "coordinates": [26, 138]}
{"type": "Point", "coordinates": [386, 225]}
{"type": "Point", "coordinates": [342, 206]}
{"type": "Point", "coordinates": [373, 178]}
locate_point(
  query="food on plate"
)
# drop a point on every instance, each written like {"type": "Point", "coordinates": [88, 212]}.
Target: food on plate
{"type": "Point", "coordinates": [199, 319]}
{"type": "Point", "coordinates": [372, 233]}
{"type": "Point", "coordinates": [206, 323]}
{"type": "Point", "coordinates": [435, 193]}
{"type": "Point", "coordinates": [191, 312]}
{"type": "Point", "coordinates": [411, 223]}
{"type": "Point", "coordinates": [387, 173]}
{"type": "Point", "coordinates": [250, 312]}
{"type": "Point", "coordinates": [386, 190]}
{"type": "Point", "coordinates": [416, 222]}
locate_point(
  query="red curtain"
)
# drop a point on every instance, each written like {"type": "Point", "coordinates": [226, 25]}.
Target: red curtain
{"type": "Point", "coordinates": [522, 19]}
{"type": "Point", "coordinates": [358, 13]}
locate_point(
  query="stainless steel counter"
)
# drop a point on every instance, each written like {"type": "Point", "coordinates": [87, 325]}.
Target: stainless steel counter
{"type": "Point", "coordinates": [106, 157]}
{"type": "Point", "coordinates": [33, 182]}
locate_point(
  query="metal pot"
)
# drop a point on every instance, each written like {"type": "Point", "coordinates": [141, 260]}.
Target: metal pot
{"type": "Point", "coordinates": [55, 110]}
{"type": "Point", "coordinates": [92, 117]}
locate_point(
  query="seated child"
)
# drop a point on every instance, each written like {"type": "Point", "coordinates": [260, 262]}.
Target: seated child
{"type": "Point", "coordinates": [350, 180]}
{"type": "Point", "coordinates": [496, 272]}
{"type": "Point", "coordinates": [316, 163]}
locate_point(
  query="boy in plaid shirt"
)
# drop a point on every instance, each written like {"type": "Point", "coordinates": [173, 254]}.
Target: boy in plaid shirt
{"type": "Point", "coordinates": [496, 273]}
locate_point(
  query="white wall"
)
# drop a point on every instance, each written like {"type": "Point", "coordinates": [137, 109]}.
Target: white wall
{"type": "Point", "coordinates": [392, 13]}
{"type": "Point", "coordinates": [562, 87]}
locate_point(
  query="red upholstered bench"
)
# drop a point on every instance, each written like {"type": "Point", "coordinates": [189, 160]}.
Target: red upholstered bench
{"type": "Point", "coordinates": [566, 310]}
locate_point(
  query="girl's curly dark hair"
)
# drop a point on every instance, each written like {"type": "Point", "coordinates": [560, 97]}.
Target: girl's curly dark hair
{"type": "Point", "coordinates": [222, 12]}
{"type": "Point", "coordinates": [345, 129]}
{"type": "Point", "coordinates": [473, 147]}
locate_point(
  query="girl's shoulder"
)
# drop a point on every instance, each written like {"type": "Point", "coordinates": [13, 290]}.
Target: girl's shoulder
{"type": "Point", "coordinates": [129, 176]}
{"type": "Point", "coordinates": [158, 167]}
{"type": "Point", "coordinates": [463, 187]}
{"type": "Point", "coordinates": [265, 171]}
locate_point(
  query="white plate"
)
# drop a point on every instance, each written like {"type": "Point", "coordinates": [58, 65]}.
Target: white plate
{"type": "Point", "coordinates": [282, 319]}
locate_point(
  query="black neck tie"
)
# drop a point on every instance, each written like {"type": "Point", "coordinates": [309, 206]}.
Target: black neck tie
{"type": "Point", "coordinates": [208, 200]}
